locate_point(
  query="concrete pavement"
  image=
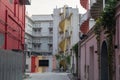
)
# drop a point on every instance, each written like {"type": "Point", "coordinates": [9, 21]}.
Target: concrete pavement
{"type": "Point", "coordinates": [48, 76]}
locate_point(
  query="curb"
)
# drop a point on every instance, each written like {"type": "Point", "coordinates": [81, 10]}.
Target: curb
{"type": "Point", "coordinates": [71, 77]}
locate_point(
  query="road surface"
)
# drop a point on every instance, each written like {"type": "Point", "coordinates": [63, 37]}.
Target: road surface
{"type": "Point", "coordinates": [48, 76]}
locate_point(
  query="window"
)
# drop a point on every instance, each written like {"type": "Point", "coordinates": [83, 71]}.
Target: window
{"type": "Point", "coordinates": [50, 40]}
{"type": "Point", "coordinates": [26, 66]}
{"type": "Point", "coordinates": [38, 45]}
{"type": "Point", "coordinates": [44, 63]}
{"type": "Point", "coordinates": [28, 54]}
{"type": "Point", "coordinates": [11, 1]}
{"type": "Point", "coordinates": [50, 30]}
{"type": "Point", "coordinates": [51, 24]}
{"type": "Point", "coordinates": [39, 30]}
{"type": "Point", "coordinates": [35, 30]}
{"type": "Point", "coordinates": [50, 47]}
{"type": "Point", "coordinates": [35, 46]}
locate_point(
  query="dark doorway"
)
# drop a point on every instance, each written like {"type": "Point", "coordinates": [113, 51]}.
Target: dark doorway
{"type": "Point", "coordinates": [104, 62]}
{"type": "Point", "coordinates": [43, 63]}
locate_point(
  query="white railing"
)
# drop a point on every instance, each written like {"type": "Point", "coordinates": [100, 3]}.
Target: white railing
{"type": "Point", "coordinates": [84, 17]}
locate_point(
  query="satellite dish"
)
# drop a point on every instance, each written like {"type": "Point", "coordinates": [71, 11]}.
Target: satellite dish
{"type": "Point", "coordinates": [1, 39]}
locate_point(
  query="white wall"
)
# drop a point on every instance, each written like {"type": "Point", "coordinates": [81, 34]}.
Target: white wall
{"type": "Point", "coordinates": [28, 41]}
{"type": "Point", "coordinates": [56, 20]}
{"type": "Point", "coordinates": [75, 27]}
{"type": "Point", "coordinates": [28, 62]}
{"type": "Point", "coordinates": [43, 37]}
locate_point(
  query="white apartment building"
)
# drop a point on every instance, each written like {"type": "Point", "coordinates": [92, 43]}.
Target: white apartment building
{"type": "Point", "coordinates": [28, 42]}
{"type": "Point", "coordinates": [40, 29]}
{"type": "Point", "coordinates": [43, 37]}
{"type": "Point", "coordinates": [65, 32]}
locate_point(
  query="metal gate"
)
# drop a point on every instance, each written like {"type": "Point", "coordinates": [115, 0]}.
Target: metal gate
{"type": "Point", "coordinates": [11, 65]}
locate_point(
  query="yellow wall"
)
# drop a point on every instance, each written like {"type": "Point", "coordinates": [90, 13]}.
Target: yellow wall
{"type": "Point", "coordinates": [40, 68]}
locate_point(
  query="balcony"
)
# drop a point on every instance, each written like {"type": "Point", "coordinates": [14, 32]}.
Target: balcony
{"type": "Point", "coordinates": [96, 9]}
{"type": "Point", "coordinates": [25, 2]}
{"type": "Point", "coordinates": [62, 45]}
{"type": "Point", "coordinates": [67, 34]}
{"type": "Point", "coordinates": [62, 25]}
{"type": "Point", "coordinates": [36, 42]}
{"type": "Point", "coordinates": [37, 34]}
{"type": "Point", "coordinates": [41, 53]}
{"type": "Point", "coordinates": [50, 42]}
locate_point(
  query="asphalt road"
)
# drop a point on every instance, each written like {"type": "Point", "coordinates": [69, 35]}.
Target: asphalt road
{"type": "Point", "coordinates": [48, 76]}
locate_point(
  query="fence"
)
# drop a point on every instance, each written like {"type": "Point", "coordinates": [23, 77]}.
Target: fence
{"type": "Point", "coordinates": [11, 65]}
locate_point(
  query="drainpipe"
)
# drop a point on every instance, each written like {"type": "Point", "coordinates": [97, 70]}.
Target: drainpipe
{"type": "Point", "coordinates": [79, 58]}
{"type": "Point", "coordinates": [6, 29]}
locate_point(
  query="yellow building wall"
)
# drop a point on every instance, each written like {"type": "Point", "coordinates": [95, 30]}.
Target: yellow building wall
{"type": "Point", "coordinates": [40, 68]}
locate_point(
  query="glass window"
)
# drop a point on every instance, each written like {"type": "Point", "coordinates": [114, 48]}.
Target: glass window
{"type": "Point", "coordinates": [11, 1]}
{"type": "Point", "coordinates": [35, 46]}
{"type": "Point", "coordinates": [50, 30]}
{"type": "Point", "coordinates": [26, 66]}
{"type": "Point", "coordinates": [39, 29]}
{"type": "Point", "coordinates": [35, 30]}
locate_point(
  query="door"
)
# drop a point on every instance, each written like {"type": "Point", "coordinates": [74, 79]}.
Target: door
{"type": "Point", "coordinates": [104, 62]}
{"type": "Point", "coordinates": [33, 65]}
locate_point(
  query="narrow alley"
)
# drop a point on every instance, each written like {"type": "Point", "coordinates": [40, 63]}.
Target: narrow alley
{"type": "Point", "coordinates": [48, 76]}
{"type": "Point", "coordinates": [59, 39]}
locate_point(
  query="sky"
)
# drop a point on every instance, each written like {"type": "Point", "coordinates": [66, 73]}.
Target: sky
{"type": "Point", "coordinates": [47, 6]}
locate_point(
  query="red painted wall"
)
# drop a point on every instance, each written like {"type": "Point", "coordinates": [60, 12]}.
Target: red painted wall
{"type": "Point", "coordinates": [12, 24]}
{"type": "Point", "coordinates": [84, 4]}
{"type": "Point", "coordinates": [33, 65]}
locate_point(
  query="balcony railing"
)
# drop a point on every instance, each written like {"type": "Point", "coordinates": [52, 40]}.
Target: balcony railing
{"type": "Point", "coordinates": [67, 34]}
{"type": "Point", "coordinates": [36, 42]}
{"type": "Point", "coordinates": [41, 53]}
{"type": "Point", "coordinates": [62, 45]}
{"type": "Point", "coordinates": [36, 34]}
{"type": "Point", "coordinates": [96, 9]}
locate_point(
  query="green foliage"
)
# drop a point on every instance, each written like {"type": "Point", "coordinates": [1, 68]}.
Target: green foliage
{"type": "Point", "coordinates": [58, 57]}
{"type": "Point", "coordinates": [97, 28]}
{"type": "Point", "coordinates": [75, 48]}
{"type": "Point", "coordinates": [107, 22]}
{"type": "Point", "coordinates": [68, 59]}
{"type": "Point", "coordinates": [107, 18]}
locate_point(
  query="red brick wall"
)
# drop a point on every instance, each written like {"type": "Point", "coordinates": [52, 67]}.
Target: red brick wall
{"type": "Point", "coordinates": [84, 3]}
{"type": "Point", "coordinates": [84, 28]}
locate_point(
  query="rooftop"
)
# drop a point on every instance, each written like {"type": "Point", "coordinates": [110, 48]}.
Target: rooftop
{"type": "Point", "coordinates": [42, 17]}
